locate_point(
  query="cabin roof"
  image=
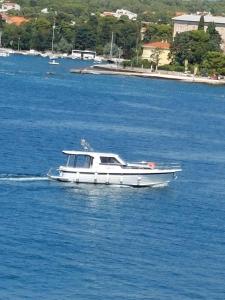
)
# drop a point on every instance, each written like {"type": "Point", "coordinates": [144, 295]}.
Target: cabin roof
{"type": "Point", "coordinates": [72, 152]}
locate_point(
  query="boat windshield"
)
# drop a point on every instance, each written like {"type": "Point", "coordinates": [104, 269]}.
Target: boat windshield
{"type": "Point", "coordinates": [109, 160]}
{"type": "Point", "coordinates": [79, 161]}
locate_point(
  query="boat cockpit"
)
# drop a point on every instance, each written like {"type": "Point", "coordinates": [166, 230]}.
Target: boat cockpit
{"type": "Point", "coordinates": [89, 160]}
{"type": "Point", "coordinates": [79, 161]}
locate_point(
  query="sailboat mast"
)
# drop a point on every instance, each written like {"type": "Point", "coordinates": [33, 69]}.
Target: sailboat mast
{"type": "Point", "coordinates": [53, 35]}
{"type": "Point", "coordinates": [111, 47]}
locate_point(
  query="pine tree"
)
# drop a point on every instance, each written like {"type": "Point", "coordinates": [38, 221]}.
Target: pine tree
{"type": "Point", "coordinates": [215, 38]}
{"type": "Point", "coordinates": [201, 23]}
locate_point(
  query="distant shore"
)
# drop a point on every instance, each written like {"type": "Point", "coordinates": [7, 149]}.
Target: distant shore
{"type": "Point", "coordinates": [117, 69]}
{"type": "Point", "coordinates": [114, 69]}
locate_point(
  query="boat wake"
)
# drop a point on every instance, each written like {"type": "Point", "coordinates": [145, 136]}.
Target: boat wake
{"type": "Point", "coordinates": [160, 185]}
{"type": "Point", "coordinates": [21, 177]}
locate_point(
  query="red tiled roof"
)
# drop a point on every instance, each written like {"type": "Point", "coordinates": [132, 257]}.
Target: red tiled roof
{"type": "Point", "coordinates": [159, 45]}
{"type": "Point", "coordinates": [179, 13]}
{"type": "Point", "coordinates": [16, 20]}
{"type": "Point", "coordinates": [108, 13]}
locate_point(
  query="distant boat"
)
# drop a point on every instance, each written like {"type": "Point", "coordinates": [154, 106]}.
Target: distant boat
{"type": "Point", "coordinates": [98, 59]}
{"type": "Point", "coordinates": [53, 62]}
{"type": "Point", "coordinates": [50, 73]}
{"type": "Point", "coordinates": [4, 53]}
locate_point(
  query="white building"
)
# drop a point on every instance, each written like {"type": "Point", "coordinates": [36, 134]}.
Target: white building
{"type": "Point", "coordinates": [157, 52]}
{"type": "Point", "coordinates": [44, 10]}
{"type": "Point", "coordinates": [9, 6]}
{"type": "Point", "coordinates": [123, 12]}
{"type": "Point", "coordinates": [83, 54]}
{"type": "Point", "coordinates": [190, 22]}
{"type": "Point", "coordinates": [119, 13]}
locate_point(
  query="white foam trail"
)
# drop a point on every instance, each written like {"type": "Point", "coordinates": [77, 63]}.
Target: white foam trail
{"type": "Point", "coordinates": [31, 178]}
{"type": "Point", "coordinates": [160, 185]}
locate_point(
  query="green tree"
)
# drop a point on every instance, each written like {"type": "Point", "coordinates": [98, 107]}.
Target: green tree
{"type": "Point", "coordinates": [105, 28]}
{"type": "Point", "coordinates": [214, 62]}
{"type": "Point", "coordinates": [215, 38]}
{"type": "Point", "coordinates": [190, 45]}
{"type": "Point", "coordinates": [127, 36]}
{"type": "Point", "coordinates": [2, 22]}
{"type": "Point", "coordinates": [85, 38]}
{"type": "Point", "coordinates": [111, 49]}
{"type": "Point", "coordinates": [63, 46]}
{"type": "Point", "coordinates": [201, 24]}
{"type": "Point", "coordinates": [42, 34]}
{"type": "Point", "coordinates": [66, 31]}
{"type": "Point", "coordinates": [10, 36]}
{"type": "Point", "coordinates": [158, 32]}
{"type": "Point", "coordinates": [155, 57]}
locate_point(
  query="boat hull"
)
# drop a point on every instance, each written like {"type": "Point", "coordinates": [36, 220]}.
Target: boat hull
{"type": "Point", "coordinates": [137, 180]}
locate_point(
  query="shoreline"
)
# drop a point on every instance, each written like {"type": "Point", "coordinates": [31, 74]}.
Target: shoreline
{"type": "Point", "coordinates": [117, 70]}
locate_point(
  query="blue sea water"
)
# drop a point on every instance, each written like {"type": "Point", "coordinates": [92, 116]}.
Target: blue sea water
{"type": "Point", "coordinates": [105, 242]}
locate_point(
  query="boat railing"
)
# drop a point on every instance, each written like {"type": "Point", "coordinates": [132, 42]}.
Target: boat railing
{"type": "Point", "coordinates": [168, 166]}
{"type": "Point", "coordinates": [154, 165]}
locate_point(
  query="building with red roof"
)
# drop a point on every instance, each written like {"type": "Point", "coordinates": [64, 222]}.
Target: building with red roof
{"type": "Point", "coordinates": [16, 20]}
{"type": "Point", "coordinates": [157, 52]}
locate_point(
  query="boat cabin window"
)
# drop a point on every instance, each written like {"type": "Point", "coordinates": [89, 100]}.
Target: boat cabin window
{"type": "Point", "coordinates": [79, 161]}
{"type": "Point", "coordinates": [107, 160]}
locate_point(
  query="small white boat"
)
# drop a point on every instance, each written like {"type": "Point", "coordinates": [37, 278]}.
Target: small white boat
{"type": "Point", "coordinates": [4, 52]}
{"type": "Point", "coordinates": [53, 62]}
{"type": "Point", "coordinates": [108, 168]}
{"type": "Point", "coordinates": [98, 59]}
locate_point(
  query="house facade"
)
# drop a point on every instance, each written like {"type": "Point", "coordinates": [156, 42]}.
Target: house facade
{"type": "Point", "coordinates": [6, 6]}
{"type": "Point", "coordinates": [127, 13]}
{"type": "Point", "coordinates": [119, 13]}
{"type": "Point", "coordinates": [157, 52]}
{"type": "Point", "coordinates": [190, 22]}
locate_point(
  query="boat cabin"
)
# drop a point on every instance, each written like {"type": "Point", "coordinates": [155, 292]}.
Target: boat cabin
{"type": "Point", "coordinates": [90, 160]}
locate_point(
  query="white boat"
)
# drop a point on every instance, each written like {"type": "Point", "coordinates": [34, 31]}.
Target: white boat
{"type": "Point", "coordinates": [98, 59]}
{"type": "Point", "coordinates": [108, 168]}
{"type": "Point", "coordinates": [4, 54]}
{"type": "Point", "coordinates": [53, 62]}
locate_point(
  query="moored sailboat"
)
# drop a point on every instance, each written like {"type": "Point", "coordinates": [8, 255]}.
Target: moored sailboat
{"type": "Point", "coordinates": [53, 57]}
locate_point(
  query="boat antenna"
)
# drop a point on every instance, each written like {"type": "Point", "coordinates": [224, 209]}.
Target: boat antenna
{"type": "Point", "coordinates": [86, 146]}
